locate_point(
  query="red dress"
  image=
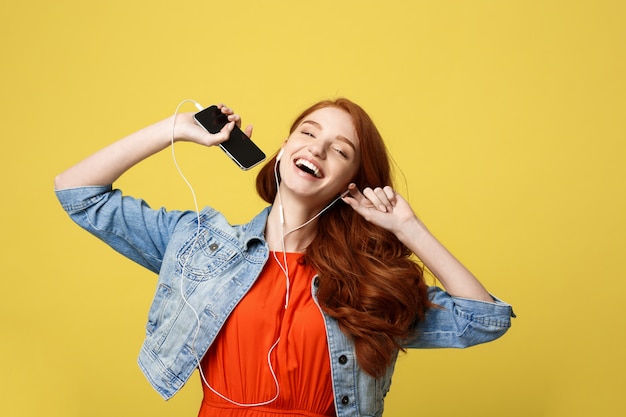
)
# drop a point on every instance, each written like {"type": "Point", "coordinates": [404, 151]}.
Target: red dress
{"type": "Point", "coordinates": [236, 365]}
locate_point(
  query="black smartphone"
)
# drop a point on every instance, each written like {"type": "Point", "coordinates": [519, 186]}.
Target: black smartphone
{"type": "Point", "coordinates": [238, 147]}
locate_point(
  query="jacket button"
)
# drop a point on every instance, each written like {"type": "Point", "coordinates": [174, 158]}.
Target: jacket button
{"type": "Point", "coordinates": [345, 400]}
{"type": "Point", "coordinates": [343, 359]}
{"type": "Point", "coordinates": [316, 282]}
{"type": "Point", "coordinates": [213, 247]}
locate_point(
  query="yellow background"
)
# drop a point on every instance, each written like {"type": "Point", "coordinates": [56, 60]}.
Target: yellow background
{"type": "Point", "coordinates": [505, 118]}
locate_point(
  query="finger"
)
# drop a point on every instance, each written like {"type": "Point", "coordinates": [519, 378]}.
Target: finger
{"type": "Point", "coordinates": [390, 194]}
{"type": "Point", "coordinates": [355, 194]}
{"type": "Point", "coordinates": [224, 134]}
{"type": "Point", "coordinates": [355, 199]}
{"type": "Point", "coordinates": [378, 199]}
{"type": "Point", "coordinates": [387, 197]}
{"type": "Point", "coordinates": [225, 109]}
{"type": "Point", "coordinates": [248, 131]}
{"type": "Point", "coordinates": [235, 118]}
{"type": "Point", "coordinates": [382, 196]}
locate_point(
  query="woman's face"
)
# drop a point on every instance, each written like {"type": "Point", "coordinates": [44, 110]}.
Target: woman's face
{"type": "Point", "coordinates": [321, 157]}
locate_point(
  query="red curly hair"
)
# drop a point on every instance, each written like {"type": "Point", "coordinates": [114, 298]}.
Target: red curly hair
{"type": "Point", "coordinates": [367, 279]}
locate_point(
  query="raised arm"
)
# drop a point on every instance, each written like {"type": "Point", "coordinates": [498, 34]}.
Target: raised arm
{"type": "Point", "coordinates": [386, 208]}
{"type": "Point", "coordinates": [108, 164]}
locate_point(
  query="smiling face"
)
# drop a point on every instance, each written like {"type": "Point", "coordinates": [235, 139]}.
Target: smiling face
{"type": "Point", "coordinates": [322, 171]}
{"type": "Point", "coordinates": [321, 155]}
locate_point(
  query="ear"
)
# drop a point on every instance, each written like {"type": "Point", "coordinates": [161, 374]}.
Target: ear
{"type": "Point", "coordinates": [282, 150]}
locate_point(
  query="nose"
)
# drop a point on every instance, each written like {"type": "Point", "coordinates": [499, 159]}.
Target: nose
{"type": "Point", "coordinates": [317, 149]}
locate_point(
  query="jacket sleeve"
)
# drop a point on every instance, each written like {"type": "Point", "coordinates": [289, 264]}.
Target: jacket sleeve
{"type": "Point", "coordinates": [126, 224]}
{"type": "Point", "coordinates": [460, 322]}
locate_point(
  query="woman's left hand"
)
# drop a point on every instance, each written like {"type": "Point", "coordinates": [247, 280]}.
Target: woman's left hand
{"type": "Point", "coordinates": [381, 206]}
{"type": "Point", "coordinates": [387, 209]}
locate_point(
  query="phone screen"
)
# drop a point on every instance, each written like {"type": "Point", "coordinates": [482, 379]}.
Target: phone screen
{"type": "Point", "coordinates": [238, 147]}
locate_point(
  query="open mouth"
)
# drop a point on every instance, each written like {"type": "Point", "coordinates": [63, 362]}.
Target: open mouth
{"type": "Point", "coordinates": [308, 167]}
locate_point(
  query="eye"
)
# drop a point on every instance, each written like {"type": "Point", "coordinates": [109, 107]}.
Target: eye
{"type": "Point", "coordinates": [341, 152]}
{"type": "Point", "coordinates": [307, 133]}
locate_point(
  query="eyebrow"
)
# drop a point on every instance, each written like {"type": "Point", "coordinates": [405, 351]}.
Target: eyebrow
{"type": "Point", "coordinates": [339, 137]}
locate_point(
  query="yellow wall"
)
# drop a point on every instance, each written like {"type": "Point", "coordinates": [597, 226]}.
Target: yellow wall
{"type": "Point", "coordinates": [505, 117]}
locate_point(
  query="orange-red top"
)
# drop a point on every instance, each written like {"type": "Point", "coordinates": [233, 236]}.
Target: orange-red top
{"type": "Point", "coordinates": [236, 365]}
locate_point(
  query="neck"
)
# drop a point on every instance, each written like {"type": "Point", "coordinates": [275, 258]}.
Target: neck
{"type": "Point", "coordinates": [291, 232]}
{"type": "Point", "coordinates": [292, 223]}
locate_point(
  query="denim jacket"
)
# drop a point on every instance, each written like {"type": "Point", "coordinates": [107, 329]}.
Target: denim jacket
{"type": "Point", "coordinates": [205, 270]}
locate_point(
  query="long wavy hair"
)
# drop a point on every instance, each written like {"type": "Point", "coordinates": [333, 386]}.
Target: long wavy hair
{"type": "Point", "coordinates": [368, 280]}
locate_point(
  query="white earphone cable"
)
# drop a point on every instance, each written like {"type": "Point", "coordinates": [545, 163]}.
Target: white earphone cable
{"type": "Point", "coordinates": [182, 275]}
{"type": "Point", "coordinates": [283, 266]}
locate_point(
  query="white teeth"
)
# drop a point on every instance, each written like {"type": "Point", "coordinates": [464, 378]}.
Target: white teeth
{"type": "Point", "coordinates": [309, 167]}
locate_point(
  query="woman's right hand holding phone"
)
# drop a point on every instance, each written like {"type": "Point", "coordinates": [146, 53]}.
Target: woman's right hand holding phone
{"type": "Point", "coordinates": [109, 163]}
{"type": "Point", "coordinates": [187, 128]}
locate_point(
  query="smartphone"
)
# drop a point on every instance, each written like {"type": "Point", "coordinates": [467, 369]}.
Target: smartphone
{"type": "Point", "coordinates": [238, 146]}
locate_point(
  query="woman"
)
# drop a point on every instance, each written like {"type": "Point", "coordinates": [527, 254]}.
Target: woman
{"type": "Point", "coordinates": [303, 310]}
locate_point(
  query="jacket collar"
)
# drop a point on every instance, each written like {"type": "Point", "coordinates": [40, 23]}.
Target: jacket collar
{"type": "Point", "coordinates": [255, 229]}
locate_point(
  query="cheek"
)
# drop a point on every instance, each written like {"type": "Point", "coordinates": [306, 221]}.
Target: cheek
{"type": "Point", "coordinates": [350, 174]}
{"type": "Point", "coordinates": [354, 168]}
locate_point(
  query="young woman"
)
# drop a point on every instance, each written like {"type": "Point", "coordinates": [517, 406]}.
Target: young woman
{"type": "Point", "coordinates": [303, 310]}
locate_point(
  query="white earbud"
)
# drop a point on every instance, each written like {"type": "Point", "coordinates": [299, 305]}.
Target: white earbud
{"type": "Point", "coordinates": [280, 154]}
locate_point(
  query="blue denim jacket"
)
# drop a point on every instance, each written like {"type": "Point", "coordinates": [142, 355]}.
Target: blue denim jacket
{"type": "Point", "coordinates": [214, 266]}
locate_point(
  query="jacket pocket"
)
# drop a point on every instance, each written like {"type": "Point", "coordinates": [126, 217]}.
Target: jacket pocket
{"type": "Point", "coordinates": [204, 256]}
{"type": "Point", "coordinates": [155, 315]}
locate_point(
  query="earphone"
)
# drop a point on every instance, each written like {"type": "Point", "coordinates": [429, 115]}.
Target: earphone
{"type": "Point", "coordinates": [182, 292]}
{"type": "Point", "coordinates": [280, 203]}
{"type": "Point", "coordinates": [283, 235]}
{"type": "Point", "coordinates": [284, 267]}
